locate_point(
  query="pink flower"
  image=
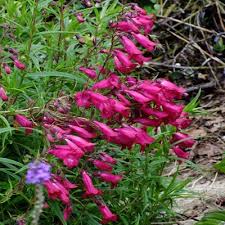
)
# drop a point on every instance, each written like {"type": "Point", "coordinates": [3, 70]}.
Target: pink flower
{"type": "Point", "coordinates": [182, 122]}
{"type": "Point", "coordinates": [130, 47]}
{"type": "Point", "coordinates": [172, 109]}
{"type": "Point", "coordinates": [180, 153]}
{"type": "Point", "coordinates": [172, 89]}
{"type": "Point", "coordinates": [137, 96]}
{"type": "Point", "coordinates": [143, 138]}
{"type": "Point", "coordinates": [145, 22]}
{"type": "Point", "coordinates": [102, 165]}
{"type": "Point", "coordinates": [83, 99]}
{"type": "Point", "coordinates": [6, 68]}
{"type": "Point", "coordinates": [148, 122]}
{"type": "Point", "coordinates": [24, 122]}
{"type": "Point", "coordinates": [89, 187]}
{"type": "Point", "coordinates": [111, 82]}
{"type": "Point", "coordinates": [120, 107]}
{"type": "Point", "coordinates": [82, 132]}
{"type": "Point", "coordinates": [144, 41]}
{"type": "Point", "coordinates": [80, 17]}
{"type": "Point", "coordinates": [91, 73]}
{"type": "Point", "coordinates": [110, 178]}
{"type": "Point", "coordinates": [67, 211]}
{"type": "Point", "coordinates": [107, 158]}
{"type": "Point", "coordinates": [141, 59]}
{"type": "Point", "coordinates": [106, 108]}
{"type": "Point", "coordinates": [19, 65]}
{"type": "Point", "coordinates": [185, 141]}
{"type": "Point", "coordinates": [69, 156]}
{"type": "Point", "coordinates": [97, 98]}
{"type": "Point", "coordinates": [106, 130]}
{"type": "Point", "coordinates": [125, 26]}
{"type": "Point", "coordinates": [108, 216]}
{"type": "Point", "coordinates": [82, 143]}
{"type": "Point", "coordinates": [58, 188]}
{"type": "Point", "coordinates": [123, 100]}
{"type": "Point", "coordinates": [138, 9]}
{"type": "Point", "coordinates": [124, 60]}
{"type": "Point", "coordinates": [154, 112]}
{"type": "Point", "coordinates": [3, 95]}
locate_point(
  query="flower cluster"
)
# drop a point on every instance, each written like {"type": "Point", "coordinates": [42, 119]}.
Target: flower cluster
{"type": "Point", "coordinates": [38, 173]}
{"type": "Point", "coordinates": [127, 107]}
{"type": "Point", "coordinates": [7, 69]}
{"type": "Point", "coordinates": [17, 63]}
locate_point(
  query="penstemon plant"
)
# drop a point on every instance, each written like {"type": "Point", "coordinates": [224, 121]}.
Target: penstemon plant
{"type": "Point", "coordinates": [94, 148]}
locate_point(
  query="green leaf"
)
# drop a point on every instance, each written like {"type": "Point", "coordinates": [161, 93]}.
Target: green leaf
{"type": "Point", "coordinates": [220, 166]}
{"type": "Point", "coordinates": [213, 218]}
{"type": "Point", "coordinates": [6, 161]}
{"type": "Point", "coordinates": [78, 78]}
{"type": "Point", "coordinates": [54, 206]}
{"type": "Point", "coordinates": [7, 129]}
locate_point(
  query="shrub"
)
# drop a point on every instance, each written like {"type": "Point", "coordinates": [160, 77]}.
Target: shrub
{"type": "Point", "coordinates": [94, 142]}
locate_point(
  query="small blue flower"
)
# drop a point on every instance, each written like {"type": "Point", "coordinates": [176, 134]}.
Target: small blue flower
{"type": "Point", "coordinates": [38, 172]}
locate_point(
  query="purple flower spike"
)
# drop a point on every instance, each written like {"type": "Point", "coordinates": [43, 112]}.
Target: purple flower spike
{"type": "Point", "coordinates": [38, 172]}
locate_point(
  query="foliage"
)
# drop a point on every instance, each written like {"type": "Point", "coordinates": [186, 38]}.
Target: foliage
{"type": "Point", "coordinates": [48, 39]}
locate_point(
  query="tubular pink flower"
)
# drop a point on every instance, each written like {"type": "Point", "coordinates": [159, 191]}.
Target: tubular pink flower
{"type": "Point", "coordinates": [139, 9]}
{"type": "Point", "coordinates": [138, 97]}
{"type": "Point", "coordinates": [82, 143]}
{"type": "Point", "coordinates": [106, 109]}
{"type": "Point", "coordinates": [102, 165]}
{"type": "Point", "coordinates": [125, 26]}
{"type": "Point", "coordinates": [75, 148]}
{"type": "Point", "coordinates": [107, 215]}
{"type": "Point", "coordinates": [123, 100]}
{"type": "Point", "coordinates": [97, 98]}
{"type": "Point", "coordinates": [107, 158]}
{"type": "Point", "coordinates": [23, 121]}
{"type": "Point", "coordinates": [124, 60]}
{"type": "Point", "coordinates": [172, 88]}
{"type": "Point", "coordinates": [58, 188]}
{"type": "Point", "coordinates": [106, 130]}
{"type": "Point", "coordinates": [67, 212]}
{"type": "Point", "coordinates": [141, 59]}
{"type": "Point", "coordinates": [120, 108]}
{"type": "Point", "coordinates": [110, 178]}
{"type": "Point", "coordinates": [111, 82]}
{"type": "Point", "coordinates": [3, 95]}
{"type": "Point", "coordinates": [83, 99]}
{"type": "Point", "coordinates": [19, 65]}
{"type": "Point", "coordinates": [70, 157]}
{"type": "Point", "coordinates": [144, 41]}
{"type": "Point", "coordinates": [172, 109]}
{"type": "Point", "coordinates": [182, 122]}
{"type": "Point", "coordinates": [130, 47]}
{"type": "Point", "coordinates": [91, 73]}
{"type": "Point", "coordinates": [80, 17]}
{"type": "Point", "coordinates": [180, 153]}
{"type": "Point", "coordinates": [185, 141]}
{"type": "Point", "coordinates": [154, 112]}
{"type": "Point", "coordinates": [6, 68]}
{"type": "Point", "coordinates": [82, 132]}
{"type": "Point", "coordinates": [89, 187]}
{"type": "Point", "coordinates": [148, 122]}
